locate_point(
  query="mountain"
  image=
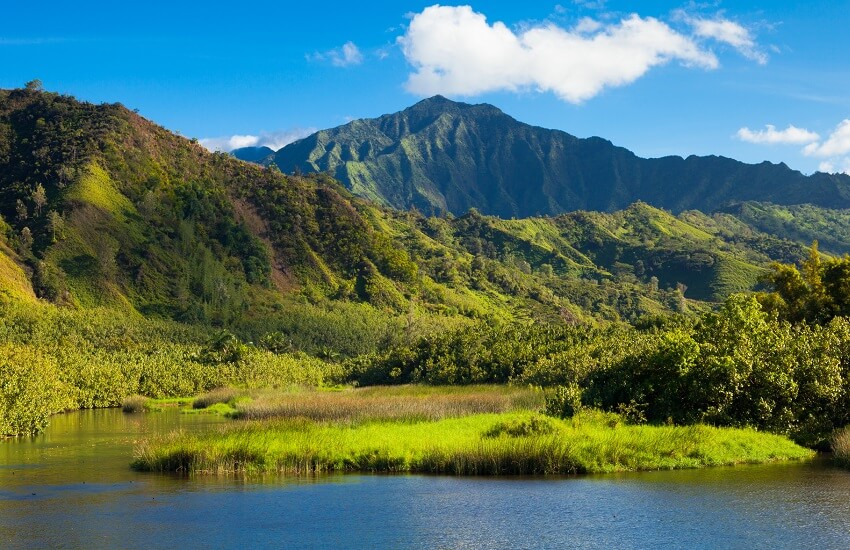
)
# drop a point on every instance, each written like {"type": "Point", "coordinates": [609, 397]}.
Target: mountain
{"type": "Point", "coordinates": [252, 154]}
{"type": "Point", "coordinates": [440, 155]}
{"type": "Point", "coordinates": [101, 208]}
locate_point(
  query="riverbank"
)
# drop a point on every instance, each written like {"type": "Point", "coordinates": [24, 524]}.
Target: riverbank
{"type": "Point", "coordinates": [512, 443]}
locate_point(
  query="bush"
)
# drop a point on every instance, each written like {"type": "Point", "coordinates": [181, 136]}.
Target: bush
{"type": "Point", "coordinates": [30, 390]}
{"type": "Point", "coordinates": [564, 401]}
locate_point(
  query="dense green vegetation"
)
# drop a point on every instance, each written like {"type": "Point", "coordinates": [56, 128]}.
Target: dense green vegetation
{"type": "Point", "coordinates": [440, 155]}
{"type": "Point", "coordinates": [54, 359]}
{"type": "Point", "coordinates": [739, 366]}
{"type": "Point", "coordinates": [479, 444]}
{"type": "Point", "coordinates": [132, 261]}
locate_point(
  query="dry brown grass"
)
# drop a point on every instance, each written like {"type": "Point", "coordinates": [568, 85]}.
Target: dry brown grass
{"type": "Point", "coordinates": [398, 403]}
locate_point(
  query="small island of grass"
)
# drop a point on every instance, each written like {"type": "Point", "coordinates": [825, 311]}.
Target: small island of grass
{"type": "Point", "coordinates": [474, 431]}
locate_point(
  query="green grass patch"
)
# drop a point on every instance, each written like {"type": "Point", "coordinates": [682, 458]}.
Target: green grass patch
{"type": "Point", "coordinates": [482, 444]}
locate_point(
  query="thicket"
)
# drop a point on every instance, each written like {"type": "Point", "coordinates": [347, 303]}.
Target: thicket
{"type": "Point", "coordinates": [54, 359]}
{"type": "Point", "coordinates": [738, 366]}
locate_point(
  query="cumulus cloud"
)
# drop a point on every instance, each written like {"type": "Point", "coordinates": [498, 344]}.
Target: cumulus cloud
{"type": "Point", "coordinates": [837, 144]}
{"type": "Point", "coordinates": [770, 135]}
{"type": "Point", "coordinates": [731, 33]}
{"type": "Point", "coordinates": [345, 56]}
{"type": "Point", "coordinates": [455, 51]}
{"type": "Point", "coordinates": [272, 140]}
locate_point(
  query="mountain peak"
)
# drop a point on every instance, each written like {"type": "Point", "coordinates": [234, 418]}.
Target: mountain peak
{"type": "Point", "coordinates": [439, 104]}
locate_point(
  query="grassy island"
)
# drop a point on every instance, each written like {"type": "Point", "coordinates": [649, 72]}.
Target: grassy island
{"type": "Point", "coordinates": [445, 432]}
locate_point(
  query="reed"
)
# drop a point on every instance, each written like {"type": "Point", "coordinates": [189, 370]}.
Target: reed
{"type": "Point", "coordinates": [841, 447]}
{"type": "Point", "coordinates": [469, 445]}
{"type": "Point", "coordinates": [134, 404]}
{"type": "Point", "coordinates": [218, 395]}
{"type": "Point", "coordinates": [402, 403]}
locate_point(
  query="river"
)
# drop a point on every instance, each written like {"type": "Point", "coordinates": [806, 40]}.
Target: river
{"type": "Point", "coordinates": [71, 487]}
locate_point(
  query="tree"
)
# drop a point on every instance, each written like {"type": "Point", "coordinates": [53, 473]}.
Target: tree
{"type": "Point", "coordinates": [55, 224]}
{"type": "Point", "coordinates": [26, 241]}
{"type": "Point", "coordinates": [21, 210]}
{"type": "Point", "coordinates": [35, 85]}
{"type": "Point", "coordinates": [39, 197]}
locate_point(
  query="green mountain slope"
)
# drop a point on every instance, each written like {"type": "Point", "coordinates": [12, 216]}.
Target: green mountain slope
{"type": "Point", "coordinates": [440, 155]}
{"type": "Point", "coordinates": [102, 208]}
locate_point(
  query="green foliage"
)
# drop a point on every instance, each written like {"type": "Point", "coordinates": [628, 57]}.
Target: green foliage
{"type": "Point", "coordinates": [55, 359]}
{"type": "Point", "coordinates": [564, 401]}
{"type": "Point", "coordinates": [816, 293]}
{"type": "Point", "coordinates": [30, 390]}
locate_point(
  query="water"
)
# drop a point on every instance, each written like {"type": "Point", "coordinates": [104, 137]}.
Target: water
{"type": "Point", "coordinates": [72, 488]}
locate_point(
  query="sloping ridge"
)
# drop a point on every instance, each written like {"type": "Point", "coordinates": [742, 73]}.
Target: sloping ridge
{"type": "Point", "coordinates": [441, 155]}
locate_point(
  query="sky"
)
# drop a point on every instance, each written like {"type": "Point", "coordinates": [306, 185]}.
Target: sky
{"type": "Point", "coordinates": [757, 80]}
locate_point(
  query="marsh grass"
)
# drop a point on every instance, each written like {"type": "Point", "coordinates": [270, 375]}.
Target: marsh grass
{"type": "Point", "coordinates": [468, 445]}
{"type": "Point", "coordinates": [217, 395]}
{"type": "Point", "coordinates": [410, 403]}
{"type": "Point", "coordinates": [841, 447]}
{"type": "Point", "coordinates": [134, 404]}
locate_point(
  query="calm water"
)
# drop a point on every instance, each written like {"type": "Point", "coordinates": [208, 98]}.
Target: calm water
{"type": "Point", "coordinates": [72, 488]}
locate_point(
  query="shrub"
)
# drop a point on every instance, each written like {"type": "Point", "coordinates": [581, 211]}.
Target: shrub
{"type": "Point", "coordinates": [564, 401]}
{"type": "Point", "coordinates": [30, 390]}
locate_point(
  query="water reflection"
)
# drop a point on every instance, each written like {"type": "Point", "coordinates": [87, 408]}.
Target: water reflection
{"type": "Point", "coordinates": [71, 487]}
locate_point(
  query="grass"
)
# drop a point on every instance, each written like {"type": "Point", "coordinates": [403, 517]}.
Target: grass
{"type": "Point", "coordinates": [841, 447]}
{"type": "Point", "coordinates": [157, 405]}
{"type": "Point", "coordinates": [134, 404]}
{"type": "Point", "coordinates": [409, 403]}
{"type": "Point", "coordinates": [480, 444]}
{"type": "Point", "coordinates": [216, 396]}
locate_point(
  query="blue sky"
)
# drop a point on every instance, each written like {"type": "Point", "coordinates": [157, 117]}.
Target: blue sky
{"type": "Point", "coordinates": [658, 78]}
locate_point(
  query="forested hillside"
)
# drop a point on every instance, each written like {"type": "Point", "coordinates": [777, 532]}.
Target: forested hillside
{"type": "Point", "coordinates": [104, 208]}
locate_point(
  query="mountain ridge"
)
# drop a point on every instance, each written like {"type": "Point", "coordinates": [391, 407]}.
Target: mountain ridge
{"type": "Point", "coordinates": [440, 155]}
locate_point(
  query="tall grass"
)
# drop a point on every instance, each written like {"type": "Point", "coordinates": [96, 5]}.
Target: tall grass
{"type": "Point", "coordinates": [841, 447]}
{"type": "Point", "coordinates": [589, 442]}
{"type": "Point", "coordinates": [393, 403]}
{"type": "Point", "coordinates": [134, 404]}
{"type": "Point", "coordinates": [217, 395]}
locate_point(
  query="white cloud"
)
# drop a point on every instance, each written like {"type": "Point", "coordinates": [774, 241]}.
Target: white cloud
{"type": "Point", "coordinates": [455, 51]}
{"type": "Point", "coordinates": [587, 25]}
{"type": "Point", "coordinates": [770, 135]}
{"type": "Point", "coordinates": [837, 144]}
{"type": "Point", "coordinates": [836, 166]}
{"type": "Point", "coordinates": [272, 140]}
{"type": "Point", "coordinates": [345, 56]}
{"type": "Point", "coordinates": [729, 32]}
